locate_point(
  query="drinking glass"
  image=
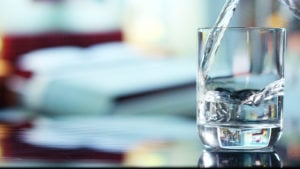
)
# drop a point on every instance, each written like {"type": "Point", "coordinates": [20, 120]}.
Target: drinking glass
{"type": "Point", "coordinates": [240, 87]}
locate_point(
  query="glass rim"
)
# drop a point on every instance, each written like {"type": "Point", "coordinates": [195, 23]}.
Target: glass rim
{"type": "Point", "coordinates": [244, 28]}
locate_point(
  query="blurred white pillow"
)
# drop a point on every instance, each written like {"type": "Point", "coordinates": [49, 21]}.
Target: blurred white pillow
{"type": "Point", "coordinates": [49, 60]}
{"type": "Point", "coordinates": [57, 60]}
{"type": "Point", "coordinates": [113, 52]}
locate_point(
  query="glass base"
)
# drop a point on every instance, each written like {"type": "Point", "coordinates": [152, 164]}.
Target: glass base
{"type": "Point", "coordinates": [265, 149]}
{"type": "Point", "coordinates": [255, 138]}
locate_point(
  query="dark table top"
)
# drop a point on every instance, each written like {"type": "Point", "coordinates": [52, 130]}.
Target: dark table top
{"type": "Point", "coordinates": [84, 142]}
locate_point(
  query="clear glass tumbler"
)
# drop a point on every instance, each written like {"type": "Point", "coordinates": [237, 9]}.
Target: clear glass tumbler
{"type": "Point", "coordinates": [240, 87]}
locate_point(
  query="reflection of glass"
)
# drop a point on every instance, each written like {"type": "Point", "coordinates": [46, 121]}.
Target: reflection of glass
{"type": "Point", "coordinates": [239, 159]}
{"type": "Point", "coordinates": [240, 88]}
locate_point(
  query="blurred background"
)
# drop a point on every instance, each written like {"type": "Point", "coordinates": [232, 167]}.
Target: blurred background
{"type": "Point", "coordinates": [110, 75]}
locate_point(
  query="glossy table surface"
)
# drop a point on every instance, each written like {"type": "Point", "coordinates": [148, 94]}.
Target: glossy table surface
{"type": "Point", "coordinates": [123, 141]}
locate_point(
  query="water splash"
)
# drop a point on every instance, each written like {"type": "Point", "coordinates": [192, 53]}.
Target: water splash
{"type": "Point", "coordinates": [275, 88]}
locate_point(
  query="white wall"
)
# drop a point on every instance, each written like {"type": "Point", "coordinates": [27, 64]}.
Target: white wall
{"type": "Point", "coordinates": [24, 16]}
{"type": "Point", "coordinates": [166, 25]}
{"type": "Point", "coordinates": [32, 16]}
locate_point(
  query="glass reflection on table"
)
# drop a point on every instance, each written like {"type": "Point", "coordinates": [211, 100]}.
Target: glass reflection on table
{"type": "Point", "coordinates": [239, 159]}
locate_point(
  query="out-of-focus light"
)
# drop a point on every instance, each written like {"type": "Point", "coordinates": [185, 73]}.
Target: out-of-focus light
{"type": "Point", "coordinates": [149, 30]}
{"type": "Point", "coordinates": [146, 31]}
{"type": "Point", "coordinates": [1, 45]}
{"type": "Point", "coordinates": [258, 163]}
{"type": "Point", "coordinates": [208, 160]}
{"type": "Point", "coordinates": [276, 20]}
{"type": "Point", "coordinates": [145, 155]}
{"type": "Point", "coordinates": [4, 131]}
{"type": "Point", "coordinates": [5, 67]}
{"type": "Point", "coordinates": [147, 160]}
{"type": "Point", "coordinates": [293, 151]}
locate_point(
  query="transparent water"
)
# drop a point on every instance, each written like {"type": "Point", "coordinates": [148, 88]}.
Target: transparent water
{"type": "Point", "coordinates": [240, 119]}
{"type": "Point", "coordinates": [216, 35]}
{"type": "Point", "coordinates": [294, 6]}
